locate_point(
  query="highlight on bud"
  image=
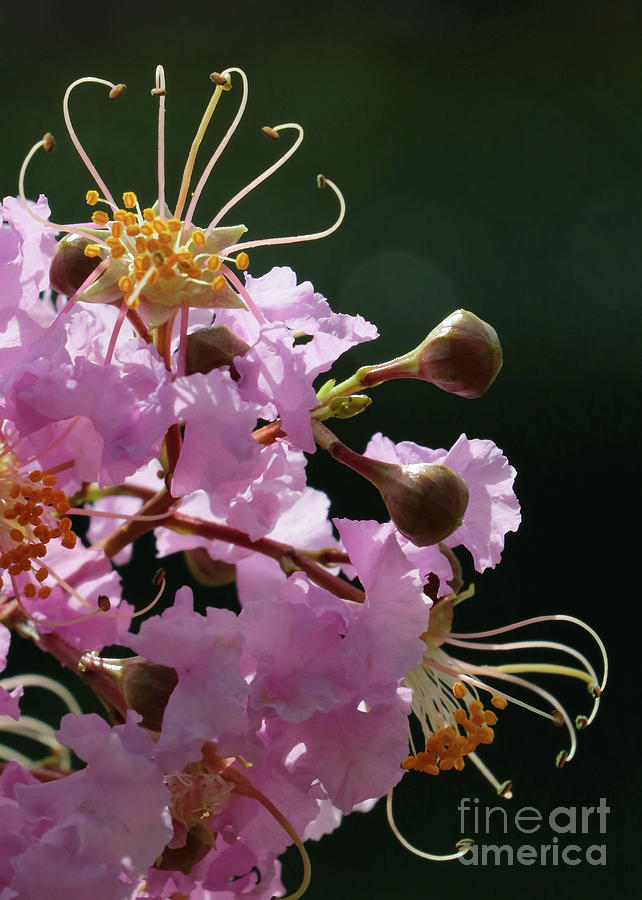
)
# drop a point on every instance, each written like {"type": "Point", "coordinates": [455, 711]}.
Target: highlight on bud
{"type": "Point", "coordinates": [462, 355]}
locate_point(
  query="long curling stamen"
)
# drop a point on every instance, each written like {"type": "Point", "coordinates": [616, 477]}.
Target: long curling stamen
{"type": "Point", "coordinates": [196, 143]}
{"type": "Point", "coordinates": [535, 620]}
{"type": "Point", "coordinates": [115, 90]}
{"type": "Point", "coordinates": [464, 845]}
{"type": "Point", "coordinates": [322, 181]}
{"type": "Point", "coordinates": [221, 147]}
{"type": "Point", "coordinates": [159, 91]}
{"type": "Point", "coordinates": [274, 134]}
{"type": "Point", "coordinates": [46, 144]}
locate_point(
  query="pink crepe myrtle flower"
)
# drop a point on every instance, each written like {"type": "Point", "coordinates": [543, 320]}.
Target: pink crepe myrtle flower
{"type": "Point", "coordinates": [26, 249]}
{"type": "Point", "coordinates": [125, 409]}
{"type": "Point", "coordinates": [59, 839]}
{"type": "Point", "coordinates": [218, 447]}
{"type": "Point", "coordinates": [205, 652]}
{"type": "Point", "coordinates": [304, 524]}
{"type": "Point", "coordinates": [276, 370]}
{"type": "Point", "coordinates": [492, 509]}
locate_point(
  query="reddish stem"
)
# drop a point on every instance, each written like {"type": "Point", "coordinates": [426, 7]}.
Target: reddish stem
{"type": "Point", "coordinates": [289, 558]}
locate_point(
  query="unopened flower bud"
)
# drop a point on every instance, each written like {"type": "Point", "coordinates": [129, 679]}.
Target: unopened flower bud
{"type": "Point", "coordinates": [426, 501]}
{"type": "Point", "coordinates": [145, 686]}
{"type": "Point", "coordinates": [211, 348]}
{"type": "Point", "coordinates": [70, 267]}
{"type": "Point", "coordinates": [461, 355]}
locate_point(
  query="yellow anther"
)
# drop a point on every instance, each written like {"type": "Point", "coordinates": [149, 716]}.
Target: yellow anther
{"type": "Point", "coordinates": [92, 250]}
{"type": "Point", "coordinates": [120, 215]}
{"type": "Point", "coordinates": [499, 702]}
{"type": "Point", "coordinates": [129, 199]}
{"type": "Point", "coordinates": [117, 252]}
{"type": "Point", "coordinates": [184, 255]}
{"type": "Point", "coordinates": [153, 245]}
{"type": "Point", "coordinates": [459, 690]}
{"type": "Point", "coordinates": [198, 238]}
{"type": "Point", "coordinates": [174, 225]}
{"type": "Point", "coordinates": [133, 230]}
{"type": "Point", "coordinates": [242, 261]}
{"type": "Point", "coordinates": [147, 228]}
{"type": "Point", "coordinates": [148, 214]}
{"type": "Point", "coordinates": [117, 229]}
{"type": "Point", "coordinates": [165, 238]}
{"type": "Point", "coordinates": [141, 245]}
{"type": "Point", "coordinates": [131, 219]}
{"type": "Point", "coordinates": [125, 284]}
{"type": "Point", "coordinates": [133, 303]}
{"type": "Point", "coordinates": [92, 198]}
{"type": "Point", "coordinates": [113, 242]}
{"type": "Point", "coordinates": [160, 225]}
{"type": "Point", "coordinates": [214, 263]}
{"type": "Point", "coordinates": [99, 217]}
{"type": "Point", "coordinates": [219, 283]}
{"type": "Point", "coordinates": [158, 259]}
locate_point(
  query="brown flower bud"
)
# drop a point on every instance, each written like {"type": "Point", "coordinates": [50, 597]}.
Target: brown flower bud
{"type": "Point", "coordinates": [146, 687]}
{"type": "Point", "coordinates": [461, 355]}
{"type": "Point", "coordinates": [426, 501]}
{"type": "Point", "coordinates": [70, 267]}
{"type": "Point", "coordinates": [211, 348]}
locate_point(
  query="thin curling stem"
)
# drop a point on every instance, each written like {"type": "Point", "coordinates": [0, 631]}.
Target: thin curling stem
{"type": "Point", "coordinates": [299, 238]}
{"type": "Point", "coordinates": [221, 147]}
{"type": "Point", "coordinates": [46, 143]}
{"type": "Point", "coordinates": [244, 787]}
{"type": "Point", "coordinates": [74, 138]}
{"type": "Point", "coordinates": [196, 143]}
{"type": "Point", "coordinates": [435, 857]}
{"type": "Point", "coordinates": [159, 91]}
{"type": "Point", "coordinates": [264, 175]}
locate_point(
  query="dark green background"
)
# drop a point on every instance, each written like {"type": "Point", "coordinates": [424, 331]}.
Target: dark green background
{"type": "Point", "coordinates": [490, 157]}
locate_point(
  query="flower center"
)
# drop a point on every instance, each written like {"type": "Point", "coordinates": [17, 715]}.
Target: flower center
{"type": "Point", "coordinates": [166, 258]}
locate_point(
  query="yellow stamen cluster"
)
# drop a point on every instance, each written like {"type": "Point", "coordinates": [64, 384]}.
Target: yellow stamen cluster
{"type": "Point", "coordinates": [447, 748]}
{"type": "Point", "coordinates": [150, 247]}
{"type": "Point", "coordinates": [32, 512]}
